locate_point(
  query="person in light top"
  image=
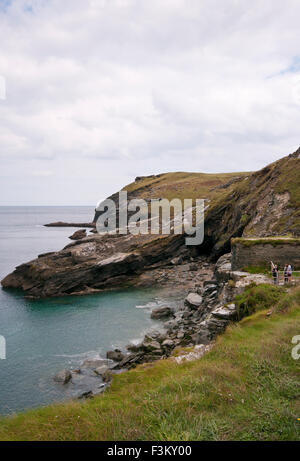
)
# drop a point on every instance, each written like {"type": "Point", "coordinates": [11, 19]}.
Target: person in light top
{"type": "Point", "coordinates": [289, 272]}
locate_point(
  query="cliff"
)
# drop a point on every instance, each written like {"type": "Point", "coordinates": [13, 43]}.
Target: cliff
{"type": "Point", "coordinates": [261, 204]}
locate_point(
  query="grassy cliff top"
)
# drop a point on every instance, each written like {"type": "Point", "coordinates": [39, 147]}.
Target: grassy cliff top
{"type": "Point", "coordinates": [183, 185]}
{"type": "Point", "coordinates": [249, 204]}
{"type": "Point", "coordinates": [245, 388]}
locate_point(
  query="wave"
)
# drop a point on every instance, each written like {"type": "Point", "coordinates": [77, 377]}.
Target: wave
{"type": "Point", "coordinates": [151, 305]}
{"type": "Point", "coordinates": [93, 355]}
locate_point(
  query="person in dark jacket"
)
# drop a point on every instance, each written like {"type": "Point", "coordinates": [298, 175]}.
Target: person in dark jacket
{"type": "Point", "coordinates": [275, 274]}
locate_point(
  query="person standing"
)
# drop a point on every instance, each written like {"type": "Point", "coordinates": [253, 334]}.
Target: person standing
{"type": "Point", "coordinates": [285, 273]}
{"type": "Point", "coordinates": [274, 273]}
{"type": "Point", "coordinates": [289, 273]}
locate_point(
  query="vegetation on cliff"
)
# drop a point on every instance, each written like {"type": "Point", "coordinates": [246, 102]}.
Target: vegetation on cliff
{"type": "Point", "coordinates": [256, 298]}
{"type": "Point", "coordinates": [260, 204]}
{"type": "Point", "coordinates": [245, 388]}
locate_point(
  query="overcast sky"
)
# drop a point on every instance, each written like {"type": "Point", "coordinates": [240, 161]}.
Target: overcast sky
{"type": "Point", "coordinates": [101, 91]}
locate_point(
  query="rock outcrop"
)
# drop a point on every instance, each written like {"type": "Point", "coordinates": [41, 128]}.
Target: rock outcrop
{"type": "Point", "coordinates": [244, 204]}
{"type": "Point", "coordinates": [78, 235]}
{"type": "Point", "coordinates": [93, 263]}
{"type": "Point", "coordinates": [68, 224]}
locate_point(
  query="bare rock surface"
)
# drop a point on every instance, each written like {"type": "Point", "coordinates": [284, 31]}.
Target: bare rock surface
{"type": "Point", "coordinates": [115, 355]}
{"type": "Point", "coordinates": [162, 313]}
{"type": "Point", "coordinates": [193, 300]}
{"type": "Point", "coordinates": [78, 235]}
{"type": "Point", "coordinates": [94, 263]}
{"type": "Point", "coordinates": [63, 376]}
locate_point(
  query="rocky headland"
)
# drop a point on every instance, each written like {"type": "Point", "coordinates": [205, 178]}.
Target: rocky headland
{"type": "Point", "coordinates": [260, 204]}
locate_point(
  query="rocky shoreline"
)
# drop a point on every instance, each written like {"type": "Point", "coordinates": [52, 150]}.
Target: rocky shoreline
{"type": "Point", "coordinates": [188, 331]}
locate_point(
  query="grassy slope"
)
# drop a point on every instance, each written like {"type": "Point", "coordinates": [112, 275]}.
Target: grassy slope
{"type": "Point", "coordinates": [283, 176]}
{"type": "Point", "coordinates": [246, 388]}
{"type": "Point", "coordinates": [233, 209]}
{"type": "Point", "coordinates": [182, 185]}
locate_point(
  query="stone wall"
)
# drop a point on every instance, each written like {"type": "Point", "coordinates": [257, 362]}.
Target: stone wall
{"type": "Point", "coordinates": [259, 252]}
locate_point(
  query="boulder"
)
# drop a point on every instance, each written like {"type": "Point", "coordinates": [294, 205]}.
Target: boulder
{"type": "Point", "coordinates": [115, 355]}
{"type": "Point", "coordinates": [101, 370]}
{"type": "Point", "coordinates": [78, 235]}
{"type": "Point", "coordinates": [168, 344]}
{"type": "Point", "coordinates": [64, 376]}
{"type": "Point", "coordinates": [225, 313]}
{"type": "Point", "coordinates": [135, 347]}
{"type": "Point", "coordinates": [193, 300]}
{"type": "Point", "coordinates": [202, 336]}
{"type": "Point", "coordinates": [223, 268]}
{"type": "Point", "coordinates": [155, 335]}
{"type": "Point", "coordinates": [130, 361]}
{"type": "Point", "coordinates": [162, 313]}
{"type": "Point", "coordinates": [216, 325]}
{"type": "Point", "coordinates": [151, 346]}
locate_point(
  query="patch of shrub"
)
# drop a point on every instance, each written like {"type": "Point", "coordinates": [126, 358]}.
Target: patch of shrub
{"type": "Point", "coordinates": [257, 297]}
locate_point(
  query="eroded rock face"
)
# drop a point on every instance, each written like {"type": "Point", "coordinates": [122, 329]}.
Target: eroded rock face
{"type": "Point", "coordinates": [92, 263]}
{"type": "Point", "coordinates": [100, 261]}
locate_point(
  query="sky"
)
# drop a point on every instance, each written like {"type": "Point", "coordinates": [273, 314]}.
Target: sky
{"type": "Point", "coordinates": [96, 92]}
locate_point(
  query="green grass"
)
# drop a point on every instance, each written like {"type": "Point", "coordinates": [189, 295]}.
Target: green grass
{"type": "Point", "coordinates": [257, 270]}
{"type": "Point", "coordinates": [265, 271]}
{"type": "Point", "coordinates": [245, 388]}
{"type": "Point", "coordinates": [182, 185]}
{"type": "Point", "coordinates": [289, 180]}
{"type": "Point", "coordinates": [258, 297]}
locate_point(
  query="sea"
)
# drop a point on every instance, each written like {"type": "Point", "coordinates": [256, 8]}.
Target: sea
{"type": "Point", "coordinates": [45, 336]}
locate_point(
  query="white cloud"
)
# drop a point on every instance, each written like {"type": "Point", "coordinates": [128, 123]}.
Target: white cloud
{"type": "Point", "coordinates": [121, 88]}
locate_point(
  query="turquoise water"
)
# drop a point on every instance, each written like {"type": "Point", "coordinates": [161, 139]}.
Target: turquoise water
{"type": "Point", "coordinates": [44, 336]}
